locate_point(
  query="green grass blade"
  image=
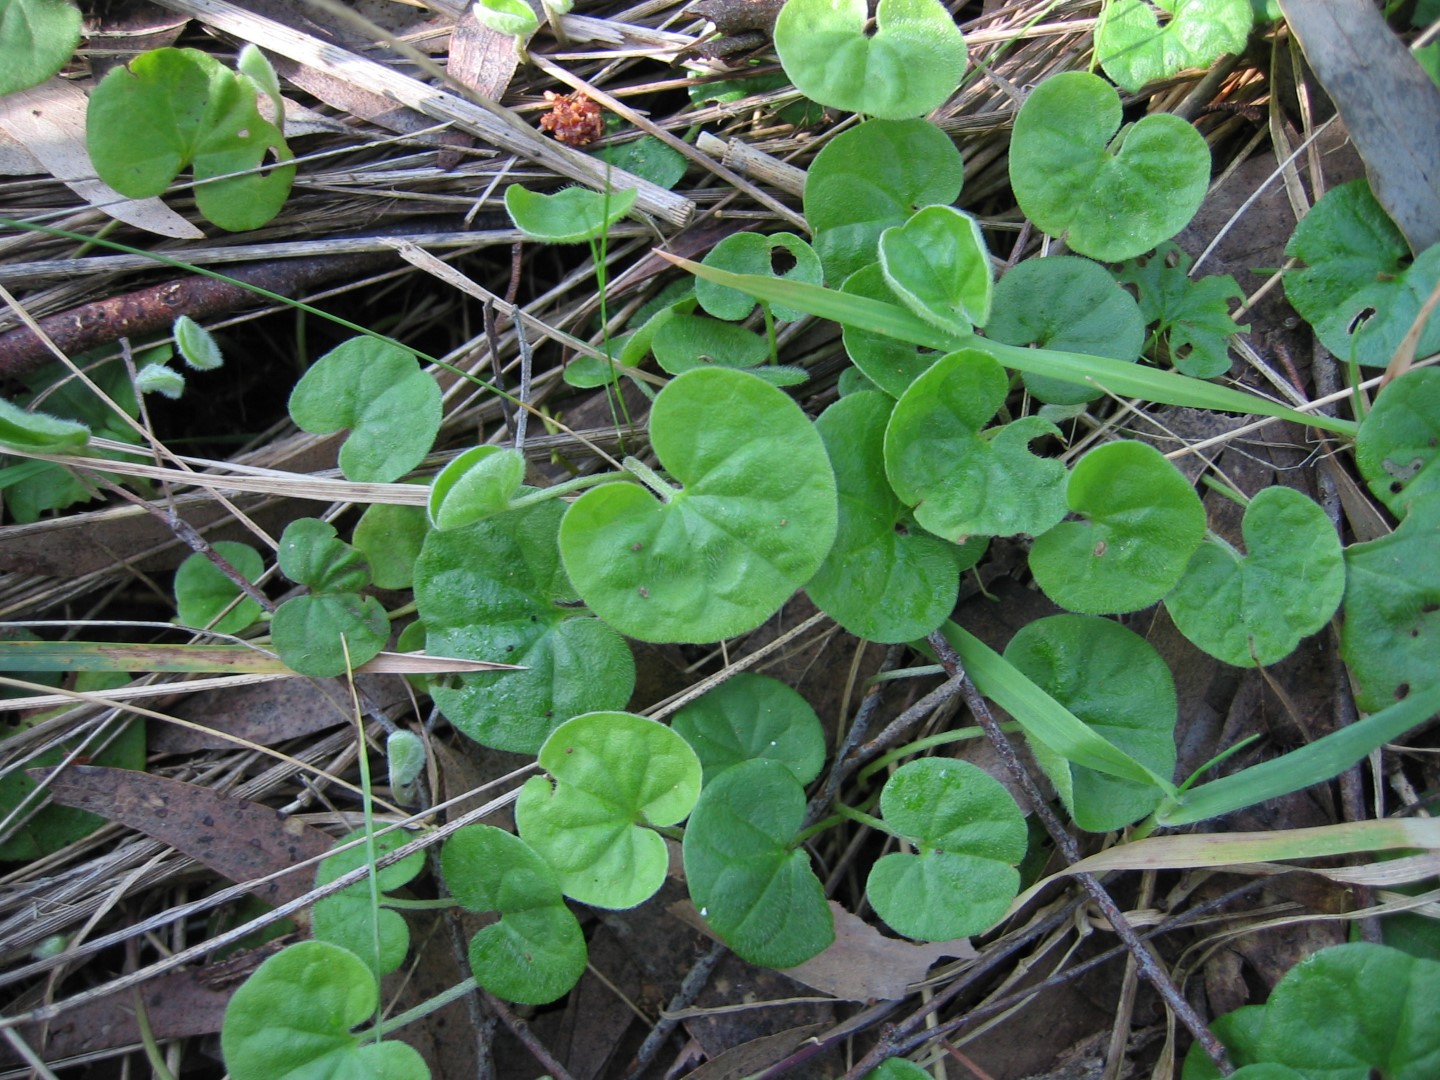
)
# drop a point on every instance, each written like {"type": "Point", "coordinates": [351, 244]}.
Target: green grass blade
{"type": "Point", "coordinates": [1322, 760]}
{"type": "Point", "coordinates": [1116, 376]}
{"type": "Point", "coordinates": [1042, 717]}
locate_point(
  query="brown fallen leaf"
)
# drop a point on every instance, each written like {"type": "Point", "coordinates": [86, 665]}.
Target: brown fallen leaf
{"type": "Point", "coordinates": [238, 839]}
{"type": "Point", "coordinates": [755, 1055]}
{"type": "Point", "coordinates": [861, 964]}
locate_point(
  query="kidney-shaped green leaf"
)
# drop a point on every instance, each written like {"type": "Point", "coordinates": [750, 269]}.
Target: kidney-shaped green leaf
{"type": "Point", "coordinates": [496, 591]}
{"type": "Point", "coordinates": [779, 255]}
{"type": "Point", "coordinates": [536, 952]}
{"type": "Point", "coordinates": [911, 63]}
{"type": "Point", "coordinates": [1398, 447]}
{"type": "Point", "coordinates": [1135, 49]}
{"type": "Point", "coordinates": [36, 38]}
{"type": "Point", "coordinates": [751, 883]}
{"type": "Point", "coordinates": [615, 775]}
{"type": "Point", "coordinates": [1110, 199]}
{"type": "Point", "coordinates": [1256, 608]}
{"type": "Point", "coordinates": [1391, 634]}
{"type": "Point", "coordinates": [969, 834]}
{"type": "Point", "coordinates": [960, 480]}
{"type": "Point", "coordinates": [752, 524]}
{"type": "Point", "coordinates": [570, 216]}
{"type": "Point", "coordinates": [889, 363]}
{"type": "Point", "coordinates": [1145, 521]}
{"type": "Point", "coordinates": [885, 579]}
{"type": "Point", "coordinates": [326, 634]}
{"type": "Point", "coordinates": [344, 918]}
{"type": "Point", "coordinates": [381, 394]}
{"type": "Point", "coordinates": [871, 177]}
{"type": "Point", "coordinates": [1071, 305]}
{"type": "Point", "coordinates": [939, 267]}
{"type": "Point", "coordinates": [753, 716]}
{"type": "Point", "coordinates": [169, 108]}
{"type": "Point", "coordinates": [292, 1018]}
{"type": "Point", "coordinates": [203, 591]}
{"type": "Point", "coordinates": [1117, 684]}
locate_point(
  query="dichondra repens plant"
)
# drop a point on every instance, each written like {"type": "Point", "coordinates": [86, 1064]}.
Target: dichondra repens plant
{"type": "Point", "coordinates": [874, 509]}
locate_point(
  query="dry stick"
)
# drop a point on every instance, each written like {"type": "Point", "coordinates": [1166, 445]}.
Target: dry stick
{"type": "Point", "coordinates": [695, 981]}
{"type": "Point", "coordinates": [844, 763]}
{"type": "Point", "coordinates": [1152, 971]}
{"type": "Point", "coordinates": [521, 1031]}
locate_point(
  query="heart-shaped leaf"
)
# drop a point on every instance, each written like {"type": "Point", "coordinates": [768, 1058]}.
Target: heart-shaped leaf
{"type": "Point", "coordinates": [1071, 305]}
{"type": "Point", "coordinates": [908, 66]}
{"type": "Point", "coordinates": [333, 629]}
{"type": "Point", "coordinates": [779, 255]}
{"type": "Point", "coordinates": [496, 590]}
{"type": "Point", "coordinates": [570, 216]}
{"type": "Point", "coordinates": [1135, 49]}
{"type": "Point", "coordinates": [1256, 608]}
{"type": "Point", "coordinates": [345, 918]}
{"type": "Point", "coordinates": [1391, 633]}
{"type": "Point", "coordinates": [752, 524]}
{"type": "Point", "coordinates": [1359, 290]}
{"type": "Point", "coordinates": [750, 881]}
{"type": "Point", "coordinates": [615, 775]}
{"type": "Point", "coordinates": [686, 342]}
{"type": "Point", "coordinates": [312, 553]}
{"type": "Point", "coordinates": [885, 579]}
{"type": "Point", "coordinates": [1109, 198]}
{"type": "Point", "coordinates": [1145, 521]}
{"type": "Point", "coordinates": [292, 1018]}
{"type": "Point", "coordinates": [36, 38]}
{"type": "Point", "coordinates": [536, 952]}
{"type": "Point", "coordinates": [169, 108]}
{"type": "Point", "coordinates": [202, 591]}
{"type": "Point", "coordinates": [939, 267]}
{"type": "Point", "coordinates": [970, 834]}
{"type": "Point", "coordinates": [962, 481]}
{"type": "Point", "coordinates": [1398, 447]}
{"type": "Point", "coordinates": [1117, 684]}
{"type": "Point", "coordinates": [753, 716]}
{"type": "Point", "coordinates": [380, 393]}
{"type": "Point", "coordinates": [390, 538]}
{"type": "Point", "coordinates": [871, 177]}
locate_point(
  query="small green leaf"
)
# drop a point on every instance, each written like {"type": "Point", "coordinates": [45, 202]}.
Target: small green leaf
{"type": "Point", "coordinates": [172, 108]}
{"type": "Point", "coordinates": [196, 345]}
{"type": "Point", "coordinates": [1348, 1012]}
{"type": "Point", "coordinates": [390, 538]}
{"type": "Point", "coordinates": [379, 391]}
{"type": "Point", "coordinates": [496, 590]}
{"type": "Point", "coordinates": [308, 632]}
{"type": "Point", "coordinates": [256, 66]}
{"type": "Point", "coordinates": [890, 364]}
{"type": "Point", "coordinates": [292, 1018]}
{"type": "Point", "coordinates": [536, 952]}
{"type": "Point", "coordinates": [615, 776]}
{"type": "Point", "coordinates": [202, 591]}
{"type": "Point", "coordinates": [1071, 305]}
{"type": "Point", "coordinates": [753, 716]}
{"type": "Point", "coordinates": [478, 484]}
{"type": "Point", "coordinates": [571, 216]}
{"type": "Point", "coordinates": [1391, 634]}
{"type": "Point", "coordinates": [160, 379]}
{"type": "Point", "coordinates": [404, 757]}
{"type": "Point", "coordinates": [1398, 447]}
{"type": "Point", "coordinates": [897, 1069]}
{"type": "Point", "coordinates": [1192, 316]}
{"type": "Point", "coordinates": [36, 38]}
{"type": "Point", "coordinates": [960, 480]}
{"type": "Point", "coordinates": [1134, 49]}
{"type": "Point", "coordinates": [780, 255]}
{"type": "Point", "coordinates": [717, 558]}
{"type": "Point", "coordinates": [1117, 684]}
{"type": "Point", "coordinates": [884, 579]}
{"type": "Point", "coordinates": [1110, 198]}
{"type": "Point", "coordinates": [939, 267]}
{"type": "Point", "coordinates": [345, 918]}
{"type": "Point", "coordinates": [969, 834]}
{"type": "Point", "coordinates": [749, 880]}
{"type": "Point", "coordinates": [908, 66]}
{"type": "Point", "coordinates": [871, 177]}
{"type": "Point", "coordinates": [648, 158]}
{"type": "Point", "coordinates": [312, 553]}
{"type": "Point", "coordinates": [686, 342]}
{"type": "Point", "coordinates": [39, 432]}
{"type": "Point", "coordinates": [1359, 290]}
{"type": "Point", "coordinates": [513, 17]}
{"type": "Point", "coordinates": [1257, 608]}
{"type": "Point", "coordinates": [1144, 523]}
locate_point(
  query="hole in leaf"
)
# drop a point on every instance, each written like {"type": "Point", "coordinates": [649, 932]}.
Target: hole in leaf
{"type": "Point", "coordinates": [1100, 549]}
{"type": "Point", "coordinates": [900, 529]}
{"type": "Point", "coordinates": [782, 260]}
{"type": "Point", "coordinates": [1360, 319]}
{"type": "Point", "coordinates": [1402, 691]}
